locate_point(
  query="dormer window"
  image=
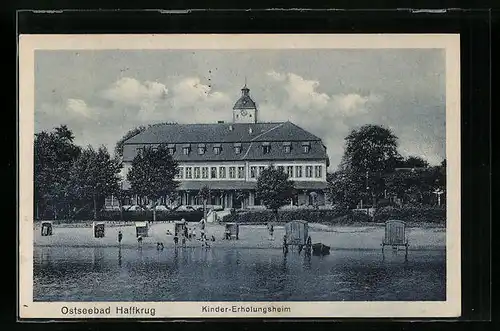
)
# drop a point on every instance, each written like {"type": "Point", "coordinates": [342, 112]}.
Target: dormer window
{"type": "Point", "coordinates": [186, 148]}
{"type": "Point", "coordinates": [217, 149]}
{"type": "Point", "coordinates": [171, 149]}
{"type": "Point", "coordinates": [287, 147]}
{"type": "Point", "coordinates": [237, 148]}
{"type": "Point", "coordinates": [201, 149]}
{"type": "Point", "coordinates": [266, 148]}
{"type": "Point", "coordinates": [306, 147]}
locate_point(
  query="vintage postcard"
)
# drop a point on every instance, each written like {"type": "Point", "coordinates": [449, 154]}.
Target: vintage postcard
{"type": "Point", "coordinates": [254, 176]}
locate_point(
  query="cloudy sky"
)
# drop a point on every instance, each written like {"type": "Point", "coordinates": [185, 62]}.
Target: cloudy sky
{"type": "Point", "coordinates": [100, 95]}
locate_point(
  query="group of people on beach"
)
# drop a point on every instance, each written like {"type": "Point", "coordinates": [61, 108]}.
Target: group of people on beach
{"type": "Point", "coordinates": [183, 236]}
{"type": "Point", "coordinates": [190, 234]}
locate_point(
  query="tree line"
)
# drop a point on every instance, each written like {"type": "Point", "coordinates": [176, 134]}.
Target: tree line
{"type": "Point", "coordinates": [373, 173]}
{"type": "Point", "coordinates": [71, 181]}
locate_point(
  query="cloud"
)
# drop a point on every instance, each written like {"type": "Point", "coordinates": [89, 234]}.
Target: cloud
{"type": "Point", "coordinates": [78, 107]}
{"type": "Point", "coordinates": [131, 92]}
{"type": "Point", "coordinates": [353, 103]}
{"type": "Point", "coordinates": [304, 94]}
{"type": "Point", "coordinates": [191, 92]}
{"type": "Point", "coordinates": [306, 105]}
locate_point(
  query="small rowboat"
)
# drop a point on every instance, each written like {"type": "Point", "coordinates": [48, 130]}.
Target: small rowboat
{"type": "Point", "coordinates": [320, 249]}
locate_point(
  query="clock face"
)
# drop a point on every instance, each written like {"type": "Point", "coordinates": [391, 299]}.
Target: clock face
{"type": "Point", "coordinates": [243, 112]}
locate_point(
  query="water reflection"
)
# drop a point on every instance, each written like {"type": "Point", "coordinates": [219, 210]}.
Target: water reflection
{"type": "Point", "coordinates": [70, 274]}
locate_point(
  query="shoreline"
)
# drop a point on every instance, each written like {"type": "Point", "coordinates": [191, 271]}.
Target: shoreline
{"type": "Point", "coordinates": [368, 237]}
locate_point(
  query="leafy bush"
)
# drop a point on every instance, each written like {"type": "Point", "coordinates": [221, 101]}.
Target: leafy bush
{"type": "Point", "coordinates": [265, 216]}
{"type": "Point", "coordinates": [341, 216]}
{"type": "Point", "coordinates": [412, 214]}
{"type": "Point", "coordinates": [190, 216]}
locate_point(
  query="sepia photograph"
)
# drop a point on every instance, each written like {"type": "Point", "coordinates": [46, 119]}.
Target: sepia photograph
{"type": "Point", "coordinates": [239, 176]}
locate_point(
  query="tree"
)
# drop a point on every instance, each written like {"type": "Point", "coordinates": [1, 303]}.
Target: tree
{"type": "Point", "coordinates": [413, 162]}
{"type": "Point", "coordinates": [370, 153]}
{"type": "Point", "coordinates": [128, 135]}
{"type": "Point", "coordinates": [240, 196]}
{"type": "Point", "coordinates": [204, 194]}
{"type": "Point", "coordinates": [345, 188]}
{"type": "Point", "coordinates": [153, 174]}
{"type": "Point", "coordinates": [54, 155]}
{"type": "Point", "coordinates": [371, 148]}
{"type": "Point", "coordinates": [95, 175]}
{"type": "Point", "coordinates": [274, 189]}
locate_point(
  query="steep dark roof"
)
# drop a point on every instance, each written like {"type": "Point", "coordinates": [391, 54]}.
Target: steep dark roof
{"type": "Point", "coordinates": [245, 101]}
{"type": "Point", "coordinates": [220, 133]}
{"type": "Point", "coordinates": [225, 136]}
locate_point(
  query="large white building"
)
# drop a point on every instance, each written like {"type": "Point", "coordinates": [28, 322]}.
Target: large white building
{"type": "Point", "coordinates": [228, 157]}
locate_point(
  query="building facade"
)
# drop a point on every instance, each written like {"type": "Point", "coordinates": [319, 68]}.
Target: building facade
{"type": "Point", "coordinates": [228, 157]}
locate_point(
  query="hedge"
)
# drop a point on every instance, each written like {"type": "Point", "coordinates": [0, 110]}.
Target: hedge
{"type": "Point", "coordinates": [341, 216]}
{"type": "Point", "coordinates": [412, 214]}
{"type": "Point", "coordinates": [318, 216]}
{"type": "Point", "coordinates": [190, 216]}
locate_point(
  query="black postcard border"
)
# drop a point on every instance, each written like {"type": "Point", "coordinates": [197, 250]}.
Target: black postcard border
{"type": "Point", "coordinates": [475, 28]}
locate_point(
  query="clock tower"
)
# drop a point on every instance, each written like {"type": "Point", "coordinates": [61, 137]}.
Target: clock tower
{"type": "Point", "coordinates": [245, 110]}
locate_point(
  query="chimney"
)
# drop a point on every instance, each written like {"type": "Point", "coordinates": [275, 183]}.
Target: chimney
{"type": "Point", "coordinates": [230, 127]}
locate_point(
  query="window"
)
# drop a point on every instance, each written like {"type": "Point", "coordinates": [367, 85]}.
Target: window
{"type": "Point", "coordinates": [232, 172]}
{"type": "Point", "coordinates": [261, 168]}
{"type": "Point", "coordinates": [241, 172]}
{"type": "Point", "coordinates": [306, 147]}
{"type": "Point", "coordinates": [204, 172]}
{"type": "Point", "coordinates": [317, 171]}
{"type": "Point", "coordinates": [171, 149]}
{"type": "Point", "coordinates": [287, 147]}
{"type": "Point", "coordinates": [180, 173]}
{"type": "Point", "coordinates": [266, 148]}
{"type": "Point", "coordinates": [289, 171]}
{"type": "Point", "coordinates": [309, 171]}
{"type": "Point", "coordinates": [222, 172]}
{"type": "Point", "coordinates": [253, 172]}
{"type": "Point", "coordinates": [217, 149]}
{"type": "Point", "coordinates": [237, 148]}
{"type": "Point", "coordinates": [196, 172]}
{"type": "Point", "coordinates": [189, 172]}
{"type": "Point", "coordinates": [298, 171]}
{"type": "Point", "coordinates": [185, 150]}
{"type": "Point", "coordinates": [213, 172]}
{"type": "Point", "coordinates": [281, 168]}
{"type": "Point", "coordinates": [201, 149]}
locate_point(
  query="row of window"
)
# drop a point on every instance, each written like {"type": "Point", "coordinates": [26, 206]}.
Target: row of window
{"type": "Point", "coordinates": [238, 172]}
{"type": "Point", "coordinates": [217, 148]}
{"type": "Point", "coordinates": [211, 172]}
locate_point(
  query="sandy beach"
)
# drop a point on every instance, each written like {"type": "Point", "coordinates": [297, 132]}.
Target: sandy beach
{"type": "Point", "coordinates": [250, 236]}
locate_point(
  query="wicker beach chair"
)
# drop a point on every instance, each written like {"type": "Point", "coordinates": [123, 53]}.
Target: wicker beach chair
{"type": "Point", "coordinates": [395, 235]}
